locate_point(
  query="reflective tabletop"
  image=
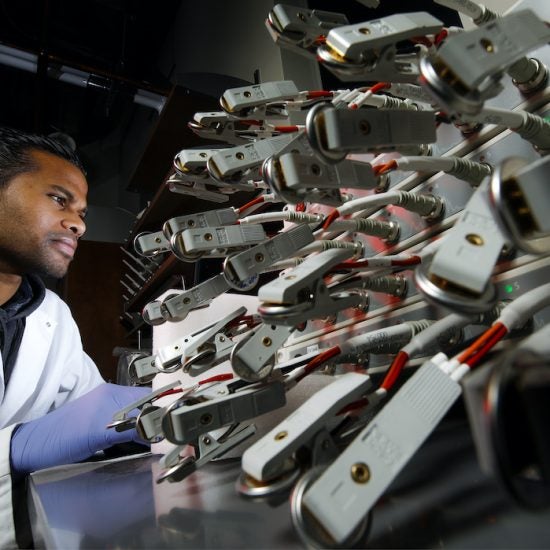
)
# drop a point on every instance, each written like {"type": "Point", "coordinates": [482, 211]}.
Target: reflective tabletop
{"type": "Point", "coordinates": [441, 499]}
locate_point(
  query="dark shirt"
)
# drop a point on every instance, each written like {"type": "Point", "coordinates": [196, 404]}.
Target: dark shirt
{"type": "Point", "coordinates": [13, 314]}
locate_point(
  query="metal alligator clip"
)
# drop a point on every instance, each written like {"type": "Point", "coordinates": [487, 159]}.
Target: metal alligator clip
{"type": "Point", "coordinates": [224, 127]}
{"type": "Point", "coordinates": [266, 458]}
{"type": "Point", "coordinates": [186, 420]}
{"type": "Point", "coordinates": [301, 29]}
{"type": "Point", "coordinates": [256, 99]}
{"type": "Point", "coordinates": [121, 422]}
{"type": "Point", "coordinates": [177, 308]}
{"type": "Point", "coordinates": [333, 133]}
{"type": "Point", "coordinates": [302, 293]}
{"type": "Point", "coordinates": [368, 50]}
{"type": "Point", "coordinates": [216, 240]}
{"type": "Point", "coordinates": [199, 350]}
{"type": "Point", "coordinates": [207, 449]}
{"type": "Point", "coordinates": [249, 263]}
{"type": "Point", "coordinates": [253, 357]}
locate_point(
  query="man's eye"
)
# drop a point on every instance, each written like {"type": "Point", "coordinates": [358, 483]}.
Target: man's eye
{"type": "Point", "coordinates": [62, 201]}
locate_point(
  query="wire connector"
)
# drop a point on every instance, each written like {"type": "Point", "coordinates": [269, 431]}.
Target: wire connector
{"type": "Point", "coordinates": [357, 478]}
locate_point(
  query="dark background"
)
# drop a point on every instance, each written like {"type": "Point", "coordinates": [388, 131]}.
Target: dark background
{"type": "Point", "coordinates": [119, 43]}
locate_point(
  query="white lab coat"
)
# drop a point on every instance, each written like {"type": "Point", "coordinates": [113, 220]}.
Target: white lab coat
{"type": "Point", "coordinates": [51, 369]}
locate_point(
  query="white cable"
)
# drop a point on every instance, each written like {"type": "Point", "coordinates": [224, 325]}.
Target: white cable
{"type": "Point", "coordinates": [288, 216]}
{"type": "Point", "coordinates": [322, 245]}
{"type": "Point", "coordinates": [371, 201]}
{"type": "Point", "coordinates": [422, 340]}
{"type": "Point", "coordinates": [364, 97]}
{"type": "Point", "coordinates": [345, 97]}
{"type": "Point", "coordinates": [500, 117]}
{"type": "Point", "coordinates": [343, 225]}
{"type": "Point", "coordinates": [387, 261]}
{"type": "Point", "coordinates": [423, 204]}
{"type": "Point", "coordinates": [376, 338]}
{"type": "Point", "coordinates": [424, 164]}
{"type": "Point", "coordinates": [271, 197]}
{"type": "Point", "coordinates": [467, 170]}
{"type": "Point", "coordinates": [517, 313]}
{"type": "Point", "coordinates": [529, 126]}
{"type": "Point", "coordinates": [458, 372]}
{"type": "Point", "coordinates": [410, 91]}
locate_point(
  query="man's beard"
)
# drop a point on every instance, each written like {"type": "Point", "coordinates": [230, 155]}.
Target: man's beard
{"type": "Point", "coordinates": [37, 262]}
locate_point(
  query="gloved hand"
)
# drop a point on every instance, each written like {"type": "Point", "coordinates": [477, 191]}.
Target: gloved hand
{"type": "Point", "coordinates": [74, 431]}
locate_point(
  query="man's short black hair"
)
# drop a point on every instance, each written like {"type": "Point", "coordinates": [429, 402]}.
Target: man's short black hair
{"type": "Point", "coordinates": [15, 149]}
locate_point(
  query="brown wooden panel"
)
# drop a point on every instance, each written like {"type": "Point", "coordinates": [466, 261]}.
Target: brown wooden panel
{"type": "Point", "coordinates": [170, 135]}
{"type": "Point", "coordinates": [92, 291]}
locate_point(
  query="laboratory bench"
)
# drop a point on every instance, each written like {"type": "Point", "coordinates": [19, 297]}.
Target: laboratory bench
{"type": "Point", "coordinates": [441, 500]}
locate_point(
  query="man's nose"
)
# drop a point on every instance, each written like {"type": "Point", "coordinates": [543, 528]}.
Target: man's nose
{"type": "Point", "coordinates": [75, 224]}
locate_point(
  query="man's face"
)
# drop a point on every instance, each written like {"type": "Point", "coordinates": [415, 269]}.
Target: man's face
{"type": "Point", "coordinates": [41, 217]}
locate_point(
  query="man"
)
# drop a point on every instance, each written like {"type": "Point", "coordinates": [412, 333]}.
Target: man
{"type": "Point", "coordinates": [54, 405]}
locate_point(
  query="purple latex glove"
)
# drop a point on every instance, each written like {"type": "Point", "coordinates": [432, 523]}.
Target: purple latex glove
{"type": "Point", "coordinates": [74, 431]}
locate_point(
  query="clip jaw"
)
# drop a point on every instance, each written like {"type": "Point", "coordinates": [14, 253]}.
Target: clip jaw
{"type": "Point", "coordinates": [223, 216]}
{"type": "Point", "coordinates": [475, 239]}
{"type": "Point", "coordinates": [253, 357]}
{"type": "Point", "coordinates": [368, 50]}
{"type": "Point", "coordinates": [222, 239]}
{"type": "Point", "coordinates": [200, 350]}
{"type": "Point", "coordinates": [221, 126]}
{"type": "Point", "coordinates": [178, 307]}
{"type": "Point", "coordinates": [300, 177]}
{"type": "Point", "coordinates": [266, 459]}
{"type": "Point", "coordinates": [300, 30]}
{"type": "Point", "coordinates": [207, 448]}
{"type": "Point", "coordinates": [333, 133]}
{"type": "Point", "coordinates": [251, 101]}
{"type": "Point", "coordinates": [243, 163]}
{"type": "Point", "coordinates": [121, 421]}
{"type": "Point", "coordinates": [187, 420]}
{"type": "Point", "coordinates": [151, 244]}
{"type": "Point", "coordinates": [302, 294]}
{"type": "Point", "coordinates": [462, 87]}
{"type": "Point", "coordinates": [251, 262]}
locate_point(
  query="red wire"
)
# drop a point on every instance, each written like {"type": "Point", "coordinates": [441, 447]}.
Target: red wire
{"type": "Point", "coordinates": [351, 265]}
{"type": "Point", "coordinates": [286, 129]}
{"type": "Point", "coordinates": [373, 89]}
{"type": "Point", "coordinates": [395, 370]}
{"type": "Point", "coordinates": [216, 378]}
{"type": "Point", "coordinates": [484, 350]}
{"type": "Point", "coordinates": [422, 40]}
{"type": "Point", "coordinates": [301, 207]}
{"type": "Point", "coordinates": [253, 202]}
{"type": "Point", "coordinates": [413, 260]}
{"type": "Point", "coordinates": [320, 360]}
{"type": "Point", "coordinates": [385, 167]}
{"type": "Point", "coordinates": [330, 218]}
{"type": "Point", "coordinates": [473, 349]}
{"type": "Point", "coordinates": [360, 264]}
{"type": "Point", "coordinates": [318, 93]}
{"type": "Point", "coordinates": [169, 392]}
{"type": "Point", "coordinates": [353, 406]}
{"type": "Point", "coordinates": [249, 320]}
{"type": "Point", "coordinates": [439, 37]}
{"type": "Point", "coordinates": [380, 86]}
